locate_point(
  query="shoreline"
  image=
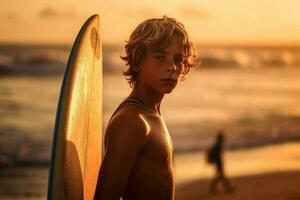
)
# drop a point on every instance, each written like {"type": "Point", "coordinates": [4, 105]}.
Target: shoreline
{"type": "Point", "coordinates": [235, 148]}
{"type": "Point", "coordinates": [253, 161]}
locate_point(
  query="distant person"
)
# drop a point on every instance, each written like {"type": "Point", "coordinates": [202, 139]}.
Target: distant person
{"type": "Point", "coordinates": [214, 157]}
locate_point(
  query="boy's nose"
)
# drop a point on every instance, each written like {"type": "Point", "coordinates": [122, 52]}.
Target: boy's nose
{"type": "Point", "coordinates": [172, 67]}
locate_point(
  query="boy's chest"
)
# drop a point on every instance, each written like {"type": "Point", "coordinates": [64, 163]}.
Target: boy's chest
{"type": "Point", "coordinates": [159, 145]}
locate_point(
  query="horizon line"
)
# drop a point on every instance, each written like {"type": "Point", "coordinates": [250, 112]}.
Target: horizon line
{"type": "Point", "coordinates": [248, 43]}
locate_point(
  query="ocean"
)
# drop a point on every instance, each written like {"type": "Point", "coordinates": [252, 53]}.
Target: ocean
{"type": "Point", "coordinates": [251, 92]}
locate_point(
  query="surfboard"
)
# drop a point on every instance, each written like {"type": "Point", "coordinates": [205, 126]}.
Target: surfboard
{"type": "Point", "coordinates": [77, 141]}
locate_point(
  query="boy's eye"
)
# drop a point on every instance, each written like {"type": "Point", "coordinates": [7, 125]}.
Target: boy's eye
{"type": "Point", "coordinates": [160, 58]}
{"type": "Point", "coordinates": [178, 61]}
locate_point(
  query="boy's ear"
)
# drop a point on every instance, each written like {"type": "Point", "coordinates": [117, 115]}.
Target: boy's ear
{"type": "Point", "coordinates": [182, 78]}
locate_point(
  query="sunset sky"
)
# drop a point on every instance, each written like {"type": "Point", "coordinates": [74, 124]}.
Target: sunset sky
{"type": "Point", "coordinates": [207, 21]}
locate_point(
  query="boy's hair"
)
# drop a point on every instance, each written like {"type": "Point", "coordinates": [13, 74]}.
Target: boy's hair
{"type": "Point", "coordinates": [156, 33]}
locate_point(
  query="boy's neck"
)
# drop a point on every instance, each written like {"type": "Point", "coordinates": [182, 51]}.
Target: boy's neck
{"type": "Point", "coordinates": [151, 99]}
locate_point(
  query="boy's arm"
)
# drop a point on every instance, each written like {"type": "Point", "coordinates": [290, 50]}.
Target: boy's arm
{"type": "Point", "coordinates": [125, 136]}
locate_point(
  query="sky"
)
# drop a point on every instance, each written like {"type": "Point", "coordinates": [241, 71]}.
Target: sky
{"type": "Point", "coordinates": [207, 21]}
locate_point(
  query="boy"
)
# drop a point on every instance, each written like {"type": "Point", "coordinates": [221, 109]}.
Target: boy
{"type": "Point", "coordinates": [138, 148]}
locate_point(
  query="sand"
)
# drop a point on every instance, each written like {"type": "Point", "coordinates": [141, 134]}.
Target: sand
{"type": "Point", "coordinates": [260, 160]}
{"type": "Point", "coordinates": [270, 186]}
{"type": "Point", "coordinates": [265, 173]}
{"type": "Point", "coordinates": [31, 184]}
{"type": "Point", "coordinates": [262, 173]}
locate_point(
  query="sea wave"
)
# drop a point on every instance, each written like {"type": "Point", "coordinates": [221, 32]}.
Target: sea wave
{"type": "Point", "coordinates": [26, 59]}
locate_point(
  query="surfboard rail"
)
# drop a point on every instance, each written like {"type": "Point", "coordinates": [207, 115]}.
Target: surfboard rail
{"type": "Point", "coordinates": [77, 139]}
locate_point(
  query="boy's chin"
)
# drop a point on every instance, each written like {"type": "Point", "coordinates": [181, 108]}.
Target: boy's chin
{"type": "Point", "coordinates": [168, 91]}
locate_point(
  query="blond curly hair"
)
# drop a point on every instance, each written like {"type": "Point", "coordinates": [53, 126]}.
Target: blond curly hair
{"type": "Point", "coordinates": [156, 33]}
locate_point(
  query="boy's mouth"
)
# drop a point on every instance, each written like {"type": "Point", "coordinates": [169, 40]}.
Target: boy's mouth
{"type": "Point", "coordinates": [171, 80]}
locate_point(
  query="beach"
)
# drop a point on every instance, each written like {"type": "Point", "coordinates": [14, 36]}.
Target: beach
{"type": "Point", "coordinates": [267, 186]}
{"type": "Point", "coordinates": [245, 84]}
{"type": "Point", "coordinates": [268, 172]}
{"type": "Point", "coordinates": [261, 173]}
{"type": "Point", "coordinates": [258, 107]}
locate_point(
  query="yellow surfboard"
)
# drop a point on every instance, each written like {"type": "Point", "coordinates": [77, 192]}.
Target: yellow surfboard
{"type": "Point", "coordinates": [77, 143]}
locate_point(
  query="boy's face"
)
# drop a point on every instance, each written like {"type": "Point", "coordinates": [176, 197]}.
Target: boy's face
{"type": "Point", "coordinates": [162, 69]}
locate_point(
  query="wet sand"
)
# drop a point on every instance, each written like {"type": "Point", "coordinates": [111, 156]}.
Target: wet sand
{"type": "Point", "coordinates": [263, 173]}
{"type": "Point", "coordinates": [270, 186]}
{"type": "Point", "coordinates": [31, 184]}
{"type": "Point", "coordinates": [238, 163]}
{"type": "Point", "coordinates": [23, 183]}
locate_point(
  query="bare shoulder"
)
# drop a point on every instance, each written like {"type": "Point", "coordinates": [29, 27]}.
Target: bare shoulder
{"type": "Point", "coordinates": [128, 124]}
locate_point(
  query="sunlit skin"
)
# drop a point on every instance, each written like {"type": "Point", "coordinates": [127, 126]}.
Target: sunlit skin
{"type": "Point", "coordinates": [138, 159]}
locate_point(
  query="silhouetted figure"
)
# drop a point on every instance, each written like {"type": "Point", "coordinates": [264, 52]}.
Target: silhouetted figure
{"type": "Point", "coordinates": [214, 157]}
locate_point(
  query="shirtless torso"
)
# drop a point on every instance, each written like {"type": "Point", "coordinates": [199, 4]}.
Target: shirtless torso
{"type": "Point", "coordinates": [149, 173]}
{"type": "Point", "coordinates": [138, 148]}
